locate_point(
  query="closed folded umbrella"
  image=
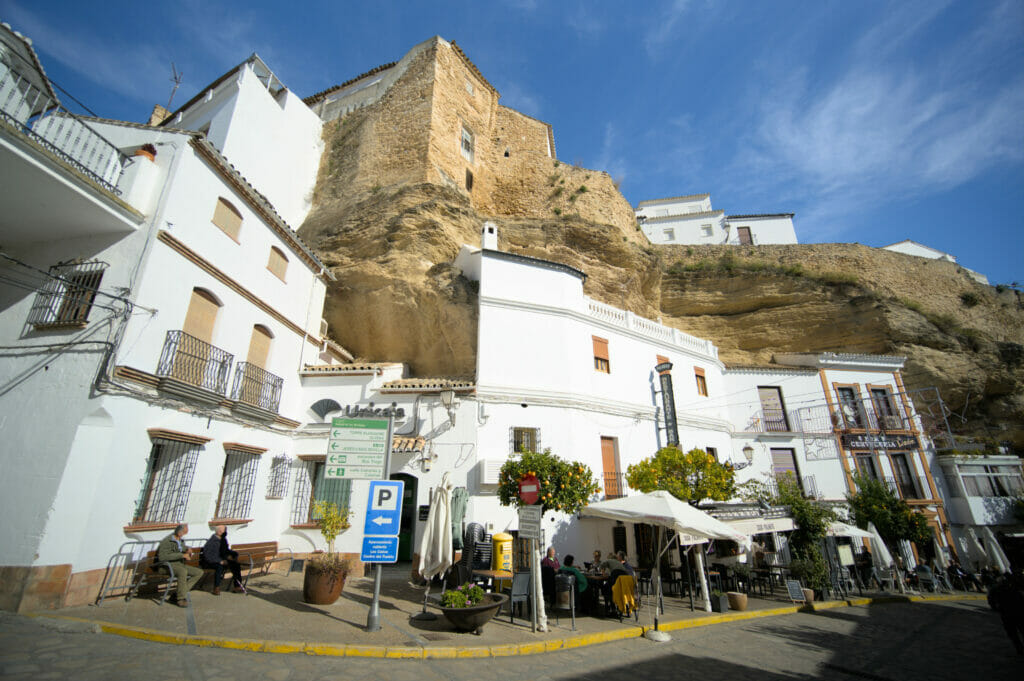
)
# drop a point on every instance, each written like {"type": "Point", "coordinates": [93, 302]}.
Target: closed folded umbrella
{"type": "Point", "coordinates": [436, 544]}
{"type": "Point", "coordinates": [994, 551]}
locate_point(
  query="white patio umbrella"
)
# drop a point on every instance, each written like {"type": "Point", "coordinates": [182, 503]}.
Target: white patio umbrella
{"type": "Point", "coordinates": [940, 554]}
{"type": "Point", "coordinates": [436, 544]}
{"type": "Point", "coordinates": [880, 555]}
{"type": "Point", "coordinates": [994, 551]}
{"type": "Point", "coordinates": [838, 529]}
{"type": "Point", "coordinates": [692, 526]}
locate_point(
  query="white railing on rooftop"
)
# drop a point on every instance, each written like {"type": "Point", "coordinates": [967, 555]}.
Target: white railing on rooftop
{"type": "Point", "coordinates": [32, 112]}
{"type": "Point", "coordinates": [650, 329]}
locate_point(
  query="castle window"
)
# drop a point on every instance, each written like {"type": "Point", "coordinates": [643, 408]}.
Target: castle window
{"type": "Point", "coordinates": [508, 151]}
{"type": "Point", "coordinates": [469, 87]}
{"type": "Point", "coordinates": [469, 180]}
{"type": "Point", "coordinates": [467, 144]}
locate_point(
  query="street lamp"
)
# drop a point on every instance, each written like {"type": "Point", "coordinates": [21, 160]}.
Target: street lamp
{"type": "Point", "coordinates": [748, 453]}
{"type": "Point", "coordinates": [448, 401]}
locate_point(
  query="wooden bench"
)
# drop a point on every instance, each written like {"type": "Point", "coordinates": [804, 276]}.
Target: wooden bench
{"type": "Point", "coordinates": [256, 557]}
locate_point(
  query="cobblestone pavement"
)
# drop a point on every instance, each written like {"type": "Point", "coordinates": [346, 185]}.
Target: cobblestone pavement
{"type": "Point", "coordinates": [897, 642]}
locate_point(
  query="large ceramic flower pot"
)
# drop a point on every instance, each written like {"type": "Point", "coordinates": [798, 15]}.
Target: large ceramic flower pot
{"type": "Point", "coordinates": [322, 587]}
{"type": "Point", "coordinates": [475, 617]}
{"type": "Point", "coordinates": [737, 600]}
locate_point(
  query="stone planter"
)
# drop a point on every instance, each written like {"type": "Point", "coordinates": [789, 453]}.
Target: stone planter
{"type": "Point", "coordinates": [737, 600]}
{"type": "Point", "coordinates": [322, 587]}
{"type": "Point", "coordinates": [808, 595]}
{"type": "Point", "coordinates": [719, 603]}
{"type": "Point", "coordinates": [475, 617]}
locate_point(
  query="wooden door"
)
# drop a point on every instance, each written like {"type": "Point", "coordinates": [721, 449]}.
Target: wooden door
{"type": "Point", "coordinates": [744, 235]}
{"type": "Point", "coordinates": [772, 409]}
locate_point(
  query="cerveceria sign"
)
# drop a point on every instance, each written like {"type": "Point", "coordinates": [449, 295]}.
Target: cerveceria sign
{"type": "Point", "coordinates": [879, 441]}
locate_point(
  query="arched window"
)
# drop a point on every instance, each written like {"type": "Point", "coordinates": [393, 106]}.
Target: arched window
{"type": "Point", "coordinates": [278, 263]}
{"type": "Point", "coordinates": [228, 218]}
{"type": "Point", "coordinates": [259, 346]}
{"type": "Point", "coordinates": [201, 315]}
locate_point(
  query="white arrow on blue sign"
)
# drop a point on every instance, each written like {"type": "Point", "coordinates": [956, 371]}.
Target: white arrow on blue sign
{"type": "Point", "coordinates": [384, 508]}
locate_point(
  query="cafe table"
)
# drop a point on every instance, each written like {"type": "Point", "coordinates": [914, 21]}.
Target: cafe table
{"type": "Point", "coordinates": [491, 575]}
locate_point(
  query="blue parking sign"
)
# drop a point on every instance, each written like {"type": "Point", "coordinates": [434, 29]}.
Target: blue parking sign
{"type": "Point", "coordinates": [384, 509]}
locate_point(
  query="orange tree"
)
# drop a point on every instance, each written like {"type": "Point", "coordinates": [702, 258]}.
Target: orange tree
{"type": "Point", "coordinates": [688, 476]}
{"type": "Point", "coordinates": [564, 485]}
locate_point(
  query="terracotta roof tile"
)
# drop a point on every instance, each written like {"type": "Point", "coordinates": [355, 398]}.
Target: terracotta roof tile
{"type": "Point", "coordinates": [313, 99]}
{"type": "Point", "coordinates": [429, 384]}
{"type": "Point", "coordinates": [350, 368]}
{"type": "Point", "coordinates": [690, 197]}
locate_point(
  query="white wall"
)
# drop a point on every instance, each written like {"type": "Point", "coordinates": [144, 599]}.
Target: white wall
{"type": "Point", "coordinates": [764, 230]}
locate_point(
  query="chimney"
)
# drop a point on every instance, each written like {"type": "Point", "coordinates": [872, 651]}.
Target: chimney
{"type": "Point", "coordinates": [158, 116]}
{"type": "Point", "coordinates": [489, 237]}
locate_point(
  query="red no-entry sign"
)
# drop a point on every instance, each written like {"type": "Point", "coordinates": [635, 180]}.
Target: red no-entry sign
{"type": "Point", "coordinates": [529, 489]}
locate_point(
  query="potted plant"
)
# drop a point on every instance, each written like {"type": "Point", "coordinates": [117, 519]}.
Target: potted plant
{"type": "Point", "coordinates": [742, 572]}
{"type": "Point", "coordinates": [326, 572]}
{"type": "Point", "coordinates": [469, 607]}
{"type": "Point", "coordinates": [719, 601]}
{"type": "Point", "coordinates": [737, 600]}
{"type": "Point", "coordinates": [147, 150]}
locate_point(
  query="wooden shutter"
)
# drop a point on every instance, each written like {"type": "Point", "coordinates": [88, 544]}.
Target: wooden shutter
{"type": "Point", "coordinates": [601, 362]}
{"type": "Point", "coordinates": [610, 464]}
{"type": "Point", "coordinates": [259, 346]}
{"type": "Point", "coordinates": [278, 263]}
{"type": "Point", "coordinates": [227, 218]}
{"type": "Point", "coordinates": [702, 381]}
{"type": "Point", "coordinates": [201, 315]}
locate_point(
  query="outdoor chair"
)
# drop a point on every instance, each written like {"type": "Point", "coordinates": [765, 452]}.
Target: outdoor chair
{"type": "Point", "coordinates": [565, 596]}
{"type": "Point", "coordinates": [519, 592]}
{"type": "Point", "coordinates": [644, 581]}
{"type": "Point", "coordinates": [624, 597]}
{"type": "Point", "coordinates": [547, 583]}
{"type": "Point", "coordinates": [925, 579]}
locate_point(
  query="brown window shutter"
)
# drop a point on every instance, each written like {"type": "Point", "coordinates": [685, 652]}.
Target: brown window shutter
{"type": "Point", "coordinates": [278, 263]}
{"type": "Point", "coordinates": [600, 348]}
{"type": "Point", "coordinates": [228, 218]}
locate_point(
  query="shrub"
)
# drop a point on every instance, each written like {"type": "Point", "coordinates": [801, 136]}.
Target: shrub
{"type": "Point", "coordinates": [1001, 288]}
{"type": "Point", "coordinates": [557, 192]}
{"type": "Point", "coordinates": [911, 305]}
{"type": "Point", "coordinates": [689, 251]}
{"type": "Point", "coordinates": [837, 278]}
{"type": "Point", "coordinates": [582, 189]}
{"type": "Point", "coordinates": [462, 597]}
{"type": "Point", "coordinates": [969, 298]}
{"type": "Point", "coordinates": [556, 211]}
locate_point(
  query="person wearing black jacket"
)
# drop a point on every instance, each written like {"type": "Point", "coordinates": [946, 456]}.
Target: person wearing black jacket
{"type": "Point", "coordinates": [218, 556]}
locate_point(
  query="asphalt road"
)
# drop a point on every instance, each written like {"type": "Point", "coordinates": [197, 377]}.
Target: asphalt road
{"type": "Point", "coordinates": [887, 642]}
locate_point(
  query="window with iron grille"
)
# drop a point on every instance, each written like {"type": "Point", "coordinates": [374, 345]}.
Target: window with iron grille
{"type": "Point", "coordinates": [67, 297]}
{"type": "Point", "coordinates": [277, 485]}
{"type": "Point", "coordinates": [236, 484]}
{"type": "Point", "coordinates": [466, 144]}
{"type": "Point", "coordinates": [310, 486]}
{"type": "Point", "coordinates": [525, 439]}
{"type": "Point", "coordinates": [167, 483]}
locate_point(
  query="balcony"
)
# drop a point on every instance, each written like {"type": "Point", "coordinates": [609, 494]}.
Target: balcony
{"type": "Point", "coordinates": [193, 368]}
{"type": "Point", "coordinates": [59, 176]}
{"type": "Point", "coordinates": [808, 486]}
{"type": "Point", "coordinates": [614, 485]}
{"type": "Point", "coordinates": [865, 415]}
{"type": "Point", "coordinates": [909, 488]}
{"type": "Point", "coordinates": [769, 421]}
{"type": "Point", "coordinates": [256, 391]}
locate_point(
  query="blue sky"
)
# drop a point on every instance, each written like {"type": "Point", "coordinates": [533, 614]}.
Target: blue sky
{"type": "Point", "coordinates": [873, 121]}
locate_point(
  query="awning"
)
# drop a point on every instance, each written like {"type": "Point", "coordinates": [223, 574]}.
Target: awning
{"type": "Point", "coordinates": [751, 526]}
{"type": "Point", "coordinates": [838, 529]}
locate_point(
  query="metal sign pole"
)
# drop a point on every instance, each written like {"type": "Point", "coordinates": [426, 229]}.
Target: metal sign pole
{"type": "Point", "coordinates": [533, 586]}
{"type": "Point", "coordinates": [373, 617]}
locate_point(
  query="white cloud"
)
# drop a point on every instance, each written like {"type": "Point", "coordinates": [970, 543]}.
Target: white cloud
{"type": "Point", "coordinates": [665, 27]}
{"type": "Point", "coordinates": [515, 96]}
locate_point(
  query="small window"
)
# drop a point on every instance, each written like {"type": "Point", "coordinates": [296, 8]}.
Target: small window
{"type": "Point", "coordinates": [469, 87]}
{"type": "Point", "coordinates": [228, 218]}
{"type": "Point", "coordinates": [467, 144]}
{"type": "Point", "coordinates": [702, 382]}
{"type": "Point", "coordinates": [67, 297]}
{"type": "Point", "coordinates": [508, 151]}
{"type": "Point", "coordinates": [525, 440]}
{"type": "Point", "coordinates": [236, 484]}
{"type": "Point", "coordinates": [670, 234]}
{"type": "Point", "coordinates": [312, 484]}
{"type": "Point", "coordinates": [601, 362]}
{"type": "Point", "coordinates": [713, 452]}
{"type": "Point", "coordinates": [278, 263]}
{"type": "Point", "coordinates": [469, 180]}
{"type": "Point", "coordinates": [277, 484]}
{"type": "Point", "coordinates": [167, 483]}
{"type": "Point", "coordinates": [705, 230]}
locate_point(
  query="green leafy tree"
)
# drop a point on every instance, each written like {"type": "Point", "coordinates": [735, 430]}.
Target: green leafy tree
{"type": "Point", "coordinates": [689, 476]}
{"type": "Point", "coordinates": [895, 520]}
{"type": "Point", "coordinates": [812, 521]}
{"type": "Point", "coordinates": [564, 485]}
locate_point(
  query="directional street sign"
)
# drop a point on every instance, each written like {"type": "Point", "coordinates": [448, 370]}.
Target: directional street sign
{"type": "Point", "coordinates": [529, 522]}
{"type": "Point", "coordinates": [357, 448]}
{"type": "Point", "coordinates": [383, 520]}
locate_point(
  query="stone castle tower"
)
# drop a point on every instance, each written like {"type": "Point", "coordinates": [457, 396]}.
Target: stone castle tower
{"type": "Point", "coordinates": [433, 117]}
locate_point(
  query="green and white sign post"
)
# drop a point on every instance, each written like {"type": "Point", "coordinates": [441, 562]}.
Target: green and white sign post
{"type": "Point", "coordinates": [360, 449]}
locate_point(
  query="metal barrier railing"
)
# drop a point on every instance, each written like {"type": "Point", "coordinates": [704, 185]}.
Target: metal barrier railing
{"type": "Point", "coordinates": [256, 386]}
{"type": "Point", "coordinates": [190, 360]}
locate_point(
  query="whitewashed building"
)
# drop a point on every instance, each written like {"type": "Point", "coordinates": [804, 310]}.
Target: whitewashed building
{"type": "Point", "coordinates": [908, 247]}
{"type": "Point", "coordinates": [691, 220]}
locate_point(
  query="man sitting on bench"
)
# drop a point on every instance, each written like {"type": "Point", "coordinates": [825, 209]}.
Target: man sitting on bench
{"type": "Point", "coordinates": [172, 550]}
{"type": "Point", "coordinates": [218, 556]}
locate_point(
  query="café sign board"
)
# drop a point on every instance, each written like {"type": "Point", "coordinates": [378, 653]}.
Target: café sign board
{"type": "Point", "coordinates": [878, 441]}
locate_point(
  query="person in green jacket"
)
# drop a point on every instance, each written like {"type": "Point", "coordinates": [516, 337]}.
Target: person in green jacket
{"type": "Point", "coordinates": [172, 550]}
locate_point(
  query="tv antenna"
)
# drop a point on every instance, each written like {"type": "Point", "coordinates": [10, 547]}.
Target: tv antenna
{"type": "Point", "coordinates": [176, 79]}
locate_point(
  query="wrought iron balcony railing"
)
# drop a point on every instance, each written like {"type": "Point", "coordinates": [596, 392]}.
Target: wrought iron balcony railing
{"type": "Point", "coordinates": [769, 421]}
{"type": "Point", "coordinates": [35, 114]}
{"type": "Point", "coordinates": [865, 415]}
{"type": "Point", "coordinates": [614, 485]}
{"type": "Point", "coordinates": [808, 485]}
{"type": "Point", "coordinates": [257, 387]}
{"type": "Point", "coordinates": [196, 362]}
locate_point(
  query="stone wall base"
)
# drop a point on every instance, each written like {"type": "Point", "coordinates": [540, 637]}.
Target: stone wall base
{"type": "Point", "coordinates": [26, 588]}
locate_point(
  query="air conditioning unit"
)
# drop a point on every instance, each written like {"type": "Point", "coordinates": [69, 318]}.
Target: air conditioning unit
{"type": "Point", "coordinates": [489, 471]}
{"type": "Point", "coordinates": [323, 328]}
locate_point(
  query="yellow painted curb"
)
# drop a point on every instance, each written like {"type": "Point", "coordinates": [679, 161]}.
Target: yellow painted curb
{"type": "Point", "coordinates": [501, 650]}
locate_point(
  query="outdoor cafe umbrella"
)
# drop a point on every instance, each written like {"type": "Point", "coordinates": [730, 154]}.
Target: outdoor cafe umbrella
{"type": "Point", "coordinates": [436, 545]}
{"type": "Point", "coordinates": [692, 526]}
{"type": "Point", "coordinates": [880, 555]}
{"type": "Point", "coordinates": [995, 554]}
